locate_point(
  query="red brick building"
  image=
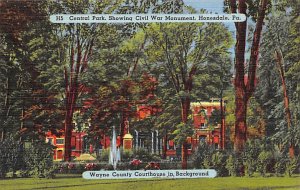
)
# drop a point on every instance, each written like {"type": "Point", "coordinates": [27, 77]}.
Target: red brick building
{"type": "Point", "coordinates": [209, 133]}
{"type": "Point", "coordinates": [201, 113]}
{"type": "Point", "coordinates": [204, 131]}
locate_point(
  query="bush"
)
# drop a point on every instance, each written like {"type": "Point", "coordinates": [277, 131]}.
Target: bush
{"type": "Point", "coordinates": [104, 156]}
{"type": "Point", "coordinates": [202, 155]}
{"type": "Point", "coordinates": [170, 165]}
{"type": "Point", "coordinates": [264, 159]}
{"type": "Point", "coordinates": [234, 165]}
{"type": "Point", "coordinates": [23, 173]}
{"type": "Point", "coordinates": [207, 157]}
{"type": "Point", "coordinates": [126, 155]}
{"type": "Point", "coordinates": [250, 166]}
{"type": "Point", "coordinates": [218, 162]}
{"type": "Point", "coordinates": [250, 155]}
{"type": "Point", "coordinates": [123, 166]}
{"type": "Point", "coordinates": [39, 160]}
{"type": "Point", "coordinates": [11, 156]}
{"type": "Point", "coordinates": [143, 155]}
{"type": "Point", "coordinates": [280, 164]}
{"type": "Point", "coordinates": [135, 164]}
{"type": "Point", "coordinates": [291, 165]}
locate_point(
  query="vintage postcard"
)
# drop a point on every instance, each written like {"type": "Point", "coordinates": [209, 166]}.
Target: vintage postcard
{"type": "Point", "coordinates": [149, 94]}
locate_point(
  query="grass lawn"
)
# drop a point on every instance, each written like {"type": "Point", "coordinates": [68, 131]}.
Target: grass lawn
{"type": "Point", "coordinates": [76, 182]}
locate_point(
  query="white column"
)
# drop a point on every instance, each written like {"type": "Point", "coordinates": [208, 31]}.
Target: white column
{"type": "Point", "coordinates": [156, 141]}
{"type": "Point", "coordinates": [137, 139]}
{"type": "Point", "coordinates": [152, 144]}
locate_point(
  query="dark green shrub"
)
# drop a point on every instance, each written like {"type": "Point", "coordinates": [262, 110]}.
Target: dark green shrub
{"type": "Point", "coordinates": [218, 162]}
{"type": "Point", "coordinates": [79, 168]}
{"type": "Point", "coordinates": [104, 156]}
{"type": "Point", "coordinates": [143, 155]}
{"type": "Point", "coordinates": [280, 164]}
{"type": "Point", "coordinates": [126, 155]}
{"type": "Point", "coordinates": [201, 157]}
{"type": "Point", "coordinates": [250, 166]}
{"type": "Point", "coordinates": [291, 165]}
{"type": "Point", "coordinates": [170, 165]}
{"type": "Point", "coordinates": [234, 165]}
{"type": "Point", "coordinates": [23, 173]}
{"type": "Point", "coordinates": [264, 159]}
{"type": "Point", "coordinates": [11, 156]}
{"type": "Point", "coordinates": [39, 160]}
{"type": "Point", "coordinates": [206, 157]}
{"type": "Point", "coordinates": [231, 166]}
{"type": "Point", "coordinates": [250, 155]}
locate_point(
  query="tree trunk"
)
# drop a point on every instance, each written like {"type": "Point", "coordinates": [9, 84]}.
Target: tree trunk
{"type": "Point", "coordinates": [68, 136]}
{"type": "Point", "coordinates": [279, 59]}
{"type": "Point", "coordinates": [7, 104]}
{"type": "Point", "coordinates": [222, 136]}
{"type": "Point", "coordinates": [165, 141]}
{"type": "Point", "coordinates": [185, 107]}
{"type": "Point", "coordinates": [184, 155]}
{"type": "Point", "coordinates": [245, 89]}
{"type": "Point", "coordinates": [240, 122]}
{"type": "Point", "coordinates": [79, 59]}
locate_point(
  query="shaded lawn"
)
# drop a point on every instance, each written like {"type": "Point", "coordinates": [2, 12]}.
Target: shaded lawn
{"type": "Point", "coordinates": [76, 182]}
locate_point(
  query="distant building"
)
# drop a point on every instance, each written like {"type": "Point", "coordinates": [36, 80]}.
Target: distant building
{"type": "Point", "coordinates": [202, 112]}
{"type": "Point", "coordinates": [213, 134]}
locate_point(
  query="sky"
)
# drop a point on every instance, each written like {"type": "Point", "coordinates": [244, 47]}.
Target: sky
{"type": "Point", "coordinates": [210, 5]}
{"type": "Point", "coordinates": [214, 6]}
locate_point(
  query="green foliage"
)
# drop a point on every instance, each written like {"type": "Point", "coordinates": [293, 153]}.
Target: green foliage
{"type": "Point", "coordinates": [291, 165]}
{"type": "Point", "coordinates": [11, 156]}
{"type": "Point", "coordinates": [280, 164]}
{"type": "Point", "coordinates": [183, 130]}
{"type": "Point", "coordinates": [202, 155]}
{"type": "Point", "coordinates": [104, 156]}
{"type": "Point", "coordinates": [36, 160]}
{"type": "Point", "coordinates": [281, 34]}
{"type": "Point", "coordinates": [218, 162]}
{"type": "Point", "coordinates": [263, 160]}
{"type": "Point", "coordinates": [233, 165]}
{"type": "Point", "coordinates": [126, 154]}
{"type": "Point", "coordinates": [39, 160]}
{"type": "Point", "coordinates": [250, 156]}
{"type": "Point", "coordinates": [144, 155]}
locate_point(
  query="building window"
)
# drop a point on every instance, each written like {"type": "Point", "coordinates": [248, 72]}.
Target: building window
{"type": "Point", "coordinates": [202, 139]}
{"type": "Point", "coordinates": [73, 142]}
{"type": "Point", "coordinates": [60, 141]}
{"type": "Point", "coordinates": [216, 146]}
{"type": "Point", "coordinates": [202, 126]}
{"type": "Point", "coordinates": [85, 145]}
{"type": "Point", "coordinates": [59, 154]}
{"type": "Point", "coordinates": [49, 140]}
{"type": "Point", "coordinates": [171, 145]}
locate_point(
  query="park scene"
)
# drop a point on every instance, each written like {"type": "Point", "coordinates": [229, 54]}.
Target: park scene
{"type": "Point", "coordinates": [77, 97]}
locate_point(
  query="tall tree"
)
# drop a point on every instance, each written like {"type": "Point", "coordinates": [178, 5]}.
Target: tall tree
{"type": "Point", "coordinates": [133, 52]}
{"type": "Point", "coordinates": [77, 42]}
{"type": "Point", "coordinates": [280, 102]}
{"type": "Point", "coordinates": [245, 85]}
{"type": "Point", "coordinates": [18, 76]}
{"type": "Point", "coordinates": [182, 49]}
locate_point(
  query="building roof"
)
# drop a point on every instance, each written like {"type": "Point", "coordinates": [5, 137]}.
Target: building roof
{"type": "Point", "coordinates": [204, 104]}
{"type": "Point", "coordinates": [128, 136]}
